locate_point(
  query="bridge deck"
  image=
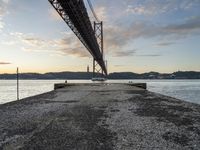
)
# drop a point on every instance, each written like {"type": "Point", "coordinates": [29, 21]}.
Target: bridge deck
{"type": "Point", "coordinates": [114, 116]}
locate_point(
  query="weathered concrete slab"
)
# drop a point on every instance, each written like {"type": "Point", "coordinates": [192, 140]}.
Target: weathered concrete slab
{"type": "Point", "coordinates": [100, 116]}
{"type": "Point", "coordinates": [63, 85]}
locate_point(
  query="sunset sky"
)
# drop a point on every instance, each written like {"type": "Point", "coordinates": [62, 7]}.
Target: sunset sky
{"type": "Point", "coordinates": [140, 36]}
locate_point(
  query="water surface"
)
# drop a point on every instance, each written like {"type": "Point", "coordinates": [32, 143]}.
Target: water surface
{"type": "Point", "coordinates": [188, 90]}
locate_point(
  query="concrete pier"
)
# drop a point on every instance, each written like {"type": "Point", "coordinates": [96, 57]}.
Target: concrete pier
{"type": "Point", "coordinates": [100, 116]}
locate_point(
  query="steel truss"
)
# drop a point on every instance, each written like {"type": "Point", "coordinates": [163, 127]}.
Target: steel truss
{"type": "Point", "coordinates": [98, 29]}
{"type": "Point", "coordinates": [74, 13]}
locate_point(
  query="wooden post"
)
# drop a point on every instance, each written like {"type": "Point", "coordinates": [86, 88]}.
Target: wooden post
{"type": "Point", "coordinates": [17, 83]}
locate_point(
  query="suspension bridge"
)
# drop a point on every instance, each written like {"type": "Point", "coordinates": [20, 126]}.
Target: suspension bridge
{"type": "Point", "coordinates": [98, 116]}
{"type": "Point", "coordinates": [75, 14]}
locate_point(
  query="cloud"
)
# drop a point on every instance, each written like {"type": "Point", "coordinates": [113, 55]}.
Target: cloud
{"type": "Point", "coordinates": [102, 13]}
{"type": "Point", "coordinates": [119, 65]}
{"type": "Point", "coordinates": [149, 55]}
{"type": "Point", "coordinates": [4, 63]}
{"type": "Point", "coordinates": [5, 1]}
{"type": "Point", "coordinates": [1, 24]}
{"type": "Point", "coordinates": [163, 44]}
{"type": "Point", "coordinates": [156, 7]}
{"type": "Point", "coordinates": [8, 42]}
{"type": "Point", "coordinates": [123, 53]}
{"type": "Point", "coordinates": [77, 52]}
{"type": "Point", "coordinates": [34, 41]}
{"type": "Point", "coordinates": [3, 7]}
{"type": "Point", "coordinates": [190, 25]}
{"type": "Point", "coordinates": [112, 35]}
{"type": "Point", "coordinates": [65, 46]}
{"type": "Point", "coordinates": [138, 10]}
{"type": "Point", "coordinates": [17, 34]}
{"type": "Point", "coordinates": [70, 45]}
{"type": "Point", "coordinates": [117, 37]}
{"type": "Point", "coordinates": [3, 11]}
{"type": "Point", "coordinates": [145, 30]}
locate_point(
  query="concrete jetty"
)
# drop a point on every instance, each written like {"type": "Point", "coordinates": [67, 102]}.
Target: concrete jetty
{"type": "Point", "coordinates": [102, 117]}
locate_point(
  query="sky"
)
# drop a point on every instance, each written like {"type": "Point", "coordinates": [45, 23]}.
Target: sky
{"type": "Point", "coordinates": [139, 36]}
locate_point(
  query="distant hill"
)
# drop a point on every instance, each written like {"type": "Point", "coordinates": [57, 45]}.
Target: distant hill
{"type": "Point", "coordinates": [50, 75]}
{"type": "Point", "coordinates": [115, 75]}
{"type": "Point", "coordinates": [156, 75]}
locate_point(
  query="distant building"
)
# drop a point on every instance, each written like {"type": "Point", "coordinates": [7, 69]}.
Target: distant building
{"type": "Point", "coordinates": [88, 69]}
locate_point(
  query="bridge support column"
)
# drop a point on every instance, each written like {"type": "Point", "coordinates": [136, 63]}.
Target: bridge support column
{"type": "Point", "coordinates": [98, 29]}
{"type": "Point", "coordinates": [97, 71]}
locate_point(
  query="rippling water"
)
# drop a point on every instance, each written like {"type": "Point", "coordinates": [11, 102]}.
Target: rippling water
{"type": "Point", "coordinates": [188, 90]}
{"type": "Point", "coordinates": [26, 88]}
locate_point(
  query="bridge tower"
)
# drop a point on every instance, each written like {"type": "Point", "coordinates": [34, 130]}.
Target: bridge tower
{"type": "Point", "coordinates": [98, 30]}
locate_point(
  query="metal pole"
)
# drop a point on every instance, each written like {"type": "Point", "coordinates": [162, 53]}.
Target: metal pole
{"type": "Point", "coordinates": [93, 68]}
{"type": "Point", "coordinates": [17, 83]}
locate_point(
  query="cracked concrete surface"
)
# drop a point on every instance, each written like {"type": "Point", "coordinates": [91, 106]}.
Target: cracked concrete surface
{"type": "Point", "coordinates": [100, 116]}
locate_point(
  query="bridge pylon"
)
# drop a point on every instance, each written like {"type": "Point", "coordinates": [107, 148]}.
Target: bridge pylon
{"type": "Point", "coordinates": [98, 30]}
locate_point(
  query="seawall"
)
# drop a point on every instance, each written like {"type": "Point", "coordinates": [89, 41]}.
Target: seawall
{"type": "Point", "coordinates": [100, 116]}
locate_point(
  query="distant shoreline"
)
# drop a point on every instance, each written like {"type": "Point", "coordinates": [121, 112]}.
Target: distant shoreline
{"type": "Point", "coordinates": [108, 79]}
{"type": "Point", "coordinates": [181, 75]}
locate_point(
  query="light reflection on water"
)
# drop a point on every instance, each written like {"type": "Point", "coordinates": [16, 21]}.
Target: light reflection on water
{"type": "Point", "coordinates": [188, 90]}
{"type": "Point", "coordinates": [26, 88]}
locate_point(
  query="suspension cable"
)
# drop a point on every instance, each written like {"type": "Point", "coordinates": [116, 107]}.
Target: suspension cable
{"type": "Point", "coordinates": [93, 12]}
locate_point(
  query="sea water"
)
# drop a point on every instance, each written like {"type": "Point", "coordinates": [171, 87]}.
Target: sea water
{"type": "Point", "coordinates": [188, 90]}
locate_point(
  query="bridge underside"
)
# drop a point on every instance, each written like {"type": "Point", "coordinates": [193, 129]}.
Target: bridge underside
{"type": "Point", "coordinates": [75, 15]}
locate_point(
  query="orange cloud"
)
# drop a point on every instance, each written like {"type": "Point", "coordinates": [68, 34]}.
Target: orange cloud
{"type": "Point", "coordinates": [4, 63]}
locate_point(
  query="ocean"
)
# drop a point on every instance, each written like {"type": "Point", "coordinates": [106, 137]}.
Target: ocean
{"type": "Point", "coordinates": [187, 90]}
